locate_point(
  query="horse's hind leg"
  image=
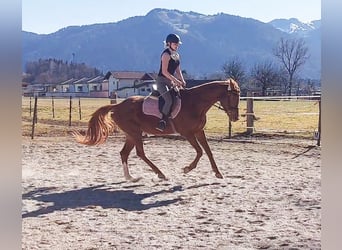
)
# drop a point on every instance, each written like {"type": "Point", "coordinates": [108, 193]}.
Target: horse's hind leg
{"type": "Point", "coordinates": [127, 148]}
{"type": "Point", "coordinates": [140, 152]}
{"type": "Point", "coordinates": [194, 143]}
{"type": "Point", "coordinates": [203, 141]}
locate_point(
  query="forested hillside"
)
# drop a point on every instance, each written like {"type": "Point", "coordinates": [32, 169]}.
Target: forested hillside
{"type": "Point", "coordinates": [56, 71]}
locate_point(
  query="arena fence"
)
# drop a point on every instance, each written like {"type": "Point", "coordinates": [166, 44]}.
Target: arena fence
{"type": "Point", "coordinates": [252, 116]}
{"type": "Point", "coordinates": [266, 115]}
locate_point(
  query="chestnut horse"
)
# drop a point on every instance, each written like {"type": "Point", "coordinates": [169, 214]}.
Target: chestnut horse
{"type": "Point", "coordinates": [189, 122]}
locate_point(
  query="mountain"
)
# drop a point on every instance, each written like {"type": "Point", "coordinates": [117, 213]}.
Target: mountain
{"type": "Point", "coordinates": [311, 33]}
{"type": "Point", "coordinates": [136, 42]}
{"type": "Point", "coordinates": [293, 25]}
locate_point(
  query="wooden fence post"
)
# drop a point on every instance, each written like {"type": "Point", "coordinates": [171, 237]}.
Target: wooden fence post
{"type": "Point", "coordinates": [53, 107]}
{"type": "Point", "coordinates": [34, 119]}
{"type": "Point", "coordinates": [113, 97]}
{"type": "Point", "coordinates": [70, 106]}
{"type": "Point", "coordinates": [79, 108]}
{"type": "Point", "coordinates": [319, 123]}
{"type": "Point", "coordinates": [30, 106]}
{"type": "Point", "coordinates": [250, 113]}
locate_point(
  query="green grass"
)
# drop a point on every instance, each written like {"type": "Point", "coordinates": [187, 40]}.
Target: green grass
{"type": "Point", "coordinates": [290, 118]}
{"type": "Point", "coordinates": [293, 118]}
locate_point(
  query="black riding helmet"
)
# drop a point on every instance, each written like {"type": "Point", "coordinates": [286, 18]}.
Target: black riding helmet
{"type": "Point", "coordinates": [173, 38]}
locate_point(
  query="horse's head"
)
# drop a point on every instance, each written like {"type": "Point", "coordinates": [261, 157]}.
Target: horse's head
{"type": "Point", "coordinates": [230, 99]}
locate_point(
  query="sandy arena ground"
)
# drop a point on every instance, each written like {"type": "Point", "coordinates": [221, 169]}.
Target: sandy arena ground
{"type": "Point", "coordinates": [75, 196]}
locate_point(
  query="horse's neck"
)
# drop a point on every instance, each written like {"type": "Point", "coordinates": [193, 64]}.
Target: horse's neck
{"type": "Point", "coordinates": [208, 94]}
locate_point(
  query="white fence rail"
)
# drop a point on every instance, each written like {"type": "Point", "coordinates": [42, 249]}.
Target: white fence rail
{"type": "Point", "coordinates": [251, 116]}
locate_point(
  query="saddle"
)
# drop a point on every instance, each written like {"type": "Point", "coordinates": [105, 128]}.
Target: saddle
{"type": "Point", "coordinates": [153, 101]}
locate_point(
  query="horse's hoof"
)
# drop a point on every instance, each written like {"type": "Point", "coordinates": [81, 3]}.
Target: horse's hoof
{"type": "Point", "coordinates": [219, 175]}
{"type": "Point", "coordinates": [134, 179]}
{"type": "Point", "coordinates": [161, 176]}
{"type": "Point", "coordinates": [187, 170]}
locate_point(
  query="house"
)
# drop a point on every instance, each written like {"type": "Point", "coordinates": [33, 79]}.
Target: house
{"type": "Point", "coordinates": [62, 89]}
{"type": "Point", "coordinates": [120, 84]}
{"type": "Point", "coordinates": [66, 86]}
{"type": "Point", "coordinates": [84, 87]}
{"type": "Point", "coordinates": [98, 87]}
{"type": "Point", "coordinates": [129, 83]}
{"type": "Point", "coordinates": [81, 85]}
{"type": "Point", "coordinates": [33, 89]}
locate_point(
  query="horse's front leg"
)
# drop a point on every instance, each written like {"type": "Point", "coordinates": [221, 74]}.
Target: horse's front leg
{"type": "Point", "coordinates": [140, 152]}
{"type": "Point", "coordinates": [199, 153]}
{"type": "Point", "coordinates": [203, 141]}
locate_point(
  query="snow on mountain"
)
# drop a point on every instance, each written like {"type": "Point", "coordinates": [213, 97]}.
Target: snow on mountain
{"type": "Point", "coordinates": [178, 20]}
{"type": "Point", "coordinates": [293, 25]}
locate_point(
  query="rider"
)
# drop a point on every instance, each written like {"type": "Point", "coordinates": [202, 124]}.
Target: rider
{"type": "Point", "coordinates": [170, 75]}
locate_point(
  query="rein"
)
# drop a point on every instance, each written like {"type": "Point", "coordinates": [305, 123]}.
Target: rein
{"type": "Point", "coordinates": [175, 89]}
{"type": "Point", "coordinates": [219, 106]}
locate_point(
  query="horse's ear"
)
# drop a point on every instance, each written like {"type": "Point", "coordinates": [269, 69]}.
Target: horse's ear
{"type": "Point", "coordinates": [229, 87]}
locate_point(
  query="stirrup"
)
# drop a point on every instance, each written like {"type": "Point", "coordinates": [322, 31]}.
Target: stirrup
{"type": "Point", "coordinates": [161, 125]}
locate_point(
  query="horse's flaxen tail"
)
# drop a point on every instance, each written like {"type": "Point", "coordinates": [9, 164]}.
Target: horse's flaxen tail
{"type": "Point", "coordinates": [100, 126]}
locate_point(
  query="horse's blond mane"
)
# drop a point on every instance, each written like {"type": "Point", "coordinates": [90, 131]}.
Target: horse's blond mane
{"type": "Point", "coordinates": [230, 81]}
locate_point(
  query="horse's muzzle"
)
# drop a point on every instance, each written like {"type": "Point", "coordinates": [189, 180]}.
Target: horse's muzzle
{"type": "Point", "coordinates": [233, 115]}
{"type": "Point", "coordinates": [234, 119]}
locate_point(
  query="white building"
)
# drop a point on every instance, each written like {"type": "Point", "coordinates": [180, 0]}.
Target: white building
{"type": "Point", "coordinates": [129, 83]}
{"type": "Point", "coordinates": [121, 84]}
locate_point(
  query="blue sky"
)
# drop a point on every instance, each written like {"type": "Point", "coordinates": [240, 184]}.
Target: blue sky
{"type": "Point", "coordinates": [47, 16]}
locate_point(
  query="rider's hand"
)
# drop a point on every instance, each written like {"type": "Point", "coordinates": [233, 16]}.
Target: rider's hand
{"type": "Point", "coordinates": [182, 85]}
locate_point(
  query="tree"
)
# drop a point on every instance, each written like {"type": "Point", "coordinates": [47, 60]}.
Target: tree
{"type": "Point", "coordinates": [53, 70]}
{"type": "Point", "coordinates": [292, 53]}
{"type": "Point", "coordinates": [186, 75]}
{"type": "Point", "coordinates": [283, 80]}
{"type": "Point", "coordinates": [265, 74]}
{"type": "Point", "coordinates": [234, 69]}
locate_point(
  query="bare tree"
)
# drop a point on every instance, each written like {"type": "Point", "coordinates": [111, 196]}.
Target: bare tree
{"type": "Point", "coordinates": [283, 80]}
{"type": "Point", "coordinates": [292, 53]}
{"type": "Point", "coordinates": [186, 75]}
{"type": "Point", "coordinates": [265, 74]}
{"type": "Point", "coordinates": [234, 69]}
{"type": "Point", "coordinates": [54, 70]}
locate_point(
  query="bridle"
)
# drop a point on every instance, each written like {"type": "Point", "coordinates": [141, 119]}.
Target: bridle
{"type": "Point", "coordinates": [230, 93]}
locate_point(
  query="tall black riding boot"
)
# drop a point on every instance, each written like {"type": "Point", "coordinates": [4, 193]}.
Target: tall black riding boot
{"type": "Point", "coordinates": [162, 123]}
